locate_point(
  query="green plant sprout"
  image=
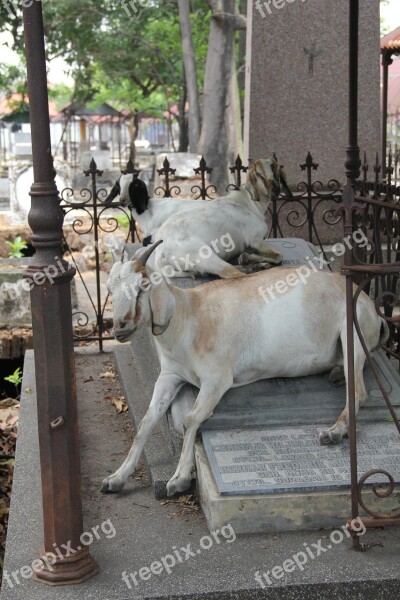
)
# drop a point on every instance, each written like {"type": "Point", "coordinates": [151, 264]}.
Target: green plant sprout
{"type": "Point", "coordinates": [15, 378]}
{"type": "Point", "coordinates": [16, 247]}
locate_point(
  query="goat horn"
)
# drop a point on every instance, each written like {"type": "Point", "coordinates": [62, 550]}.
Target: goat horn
{"type": "Point", "coordinates": [143, 258]}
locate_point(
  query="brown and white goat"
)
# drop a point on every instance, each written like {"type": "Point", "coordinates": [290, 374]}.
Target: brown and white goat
{"type": "Point", "coordinates": [224, 334]}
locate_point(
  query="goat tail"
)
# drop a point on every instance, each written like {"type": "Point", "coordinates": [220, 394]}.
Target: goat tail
{"type": "Point", "coordinates": [384, 332]}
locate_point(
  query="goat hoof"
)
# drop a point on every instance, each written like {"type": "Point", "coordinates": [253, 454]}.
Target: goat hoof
{"type": "Point", "coordinates": [111, 487]}
{"type": "Point", "coordinates": [178, 485]}
{"type": "Point", "coordinates": [329, 438]}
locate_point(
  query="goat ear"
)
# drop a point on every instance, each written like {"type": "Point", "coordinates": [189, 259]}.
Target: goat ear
{"type": "Point", "coordinates": [284, 184]}
{"type": "Point", "coordinates": [139, 195]}
{"type": "Point", "coordinates": [116, 190]}
{"type": "Point", "coordinates": [275, 169]}
{"type": "Point", "coordinates": [252, 182]}
{"type": "Point", "coordinates": [162, 306]}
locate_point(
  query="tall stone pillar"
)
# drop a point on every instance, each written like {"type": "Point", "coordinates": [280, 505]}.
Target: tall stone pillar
{"type": "Point", "coordinates": [297, 82]}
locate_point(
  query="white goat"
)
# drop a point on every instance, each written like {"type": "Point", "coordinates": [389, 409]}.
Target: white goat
{"type": "Point", "coordinates": [224, 334]}
{"type": "Point", "coordinates": [192, 230]}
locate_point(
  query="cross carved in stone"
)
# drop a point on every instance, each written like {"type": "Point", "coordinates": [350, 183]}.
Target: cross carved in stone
{"type": "Point", "coordinates": [312, 53]}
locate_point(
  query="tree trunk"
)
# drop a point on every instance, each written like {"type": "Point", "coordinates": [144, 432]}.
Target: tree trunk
{"type": "Point", "coordinates": [241, 67]}
{"type": "Point", "coordinates": [133, 127]}
{"type": "Point", "coordinates": [233, 118]}
{"type": "Point", "coordinates": [189, 62]}
{"type": "Point", "coordinates": [220, 58]}
{"type": "Point", "coordinates": [184, 134]}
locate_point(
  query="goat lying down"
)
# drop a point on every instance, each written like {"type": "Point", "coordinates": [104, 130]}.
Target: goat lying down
{"type": "Point", "coordinates": [223, 334]}
{"type": "Point", "coordinates": [192, 229]}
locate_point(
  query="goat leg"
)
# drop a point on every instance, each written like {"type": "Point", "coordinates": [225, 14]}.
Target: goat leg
{"type": "Point", "coordinates": [334, 434]}
{"type": "Point", "coordinates": [209, 395]}
{"type": "Point", "coordinates": [262, 247]}
{"type": "Point", "coordinates": [165, 390]}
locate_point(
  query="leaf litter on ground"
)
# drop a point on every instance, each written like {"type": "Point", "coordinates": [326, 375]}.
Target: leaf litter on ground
{"type": "Point", "coordinates": [186, 505]}
{"type": "Point", "coordinates": [9, 416]}
{"type": "Point", "coordinates": [120, 404]}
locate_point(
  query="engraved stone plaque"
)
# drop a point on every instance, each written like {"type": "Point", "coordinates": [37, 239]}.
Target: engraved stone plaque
{"type": "Point", "coordinates": [270, 460]}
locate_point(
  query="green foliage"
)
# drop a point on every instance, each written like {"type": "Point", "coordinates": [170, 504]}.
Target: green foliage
{"type": "Point", "coordinates": [385, 26]}
{"type": "Point", "coordinates": [15, 378]}
{"type": "Point", "coordinates": [12, 79]}
{"type": "Point", "coordinates": [61, 94]}
{"type": "Point", "coordinates": [122, 220]}
{"type": "Point", "coordinates": [132, 62]}
{"type": "Point", "coordinates": [16, 247]}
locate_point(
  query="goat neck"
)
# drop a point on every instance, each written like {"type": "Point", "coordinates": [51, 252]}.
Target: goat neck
{"type": "Point", "coordinates": [260, 205]}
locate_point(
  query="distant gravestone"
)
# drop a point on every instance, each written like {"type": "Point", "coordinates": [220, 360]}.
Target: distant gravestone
{"type": "Point", "coordinates": [23, 145]}
{"type": "Point", "coordinates": [297, 82]}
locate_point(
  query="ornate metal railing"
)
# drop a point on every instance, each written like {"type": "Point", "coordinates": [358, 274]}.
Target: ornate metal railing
{"type": "Point", "coordinates": [91, 219]}
{"type": "Point", "coordinates": [312, 212]}
{"type": "Point", "coordinates": [376, 209]}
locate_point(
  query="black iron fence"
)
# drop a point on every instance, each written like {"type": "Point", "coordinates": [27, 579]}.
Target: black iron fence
{"type": "Point", "coordinates": [393, 160]}
{"type": "Point", "coordinates": [88, 211]}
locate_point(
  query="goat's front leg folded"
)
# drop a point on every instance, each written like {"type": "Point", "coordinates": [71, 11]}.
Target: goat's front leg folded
{"type": "Point", "coordinates": [165, 390]}
{"type": "Point", "coordinates": [268, 254]}
{"type": "Point", "coordinates": [209, 395]}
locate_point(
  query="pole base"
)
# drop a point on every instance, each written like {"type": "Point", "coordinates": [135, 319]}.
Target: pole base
{"type": "Point", "coordinates": [68, 570]}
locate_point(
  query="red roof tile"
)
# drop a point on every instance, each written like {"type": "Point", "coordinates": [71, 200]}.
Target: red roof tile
{"type": "Point", "coordinates": [391, 41]}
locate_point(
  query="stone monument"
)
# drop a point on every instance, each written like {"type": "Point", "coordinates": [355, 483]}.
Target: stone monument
{"type": "Point", "coordinates": [297, 82]}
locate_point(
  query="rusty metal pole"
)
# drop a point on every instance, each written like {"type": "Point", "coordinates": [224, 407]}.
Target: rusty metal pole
{"type": "Point", "coordinates": [52, 333]}
{"type": "Point", "coordinates": [352, 164]}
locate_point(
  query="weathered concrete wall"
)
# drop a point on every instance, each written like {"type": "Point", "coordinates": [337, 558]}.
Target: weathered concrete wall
{"type": "Point", "coordinates": [295, 103]}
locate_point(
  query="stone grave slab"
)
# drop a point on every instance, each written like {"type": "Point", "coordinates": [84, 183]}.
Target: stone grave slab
{"type": "Point", "coordinates": [286, 459]}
